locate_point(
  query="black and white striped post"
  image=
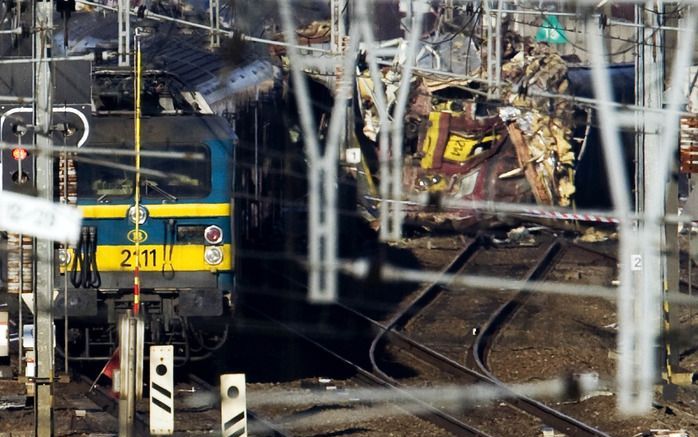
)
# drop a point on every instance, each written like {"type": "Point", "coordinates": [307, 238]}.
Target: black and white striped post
{"type": "Point", "coordinates": [233, 405]}
{"type": "Point", "coordinates": [161, 390]}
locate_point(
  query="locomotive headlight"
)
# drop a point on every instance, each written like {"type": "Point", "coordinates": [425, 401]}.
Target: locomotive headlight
{"type": "Point", "coordinates": [132, 214]}
{"type": "Point", "coordinates": [213, 234]}
{"type": "Point", "coordinates": [64, 257]}
{"type": "Point", "coordinates": [213, 255]}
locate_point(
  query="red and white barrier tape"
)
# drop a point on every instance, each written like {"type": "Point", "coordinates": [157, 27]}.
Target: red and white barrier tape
{"type": "Point", "coordinates": [555, 215]}
{"type": "Point", "coordinates": [571, 216]}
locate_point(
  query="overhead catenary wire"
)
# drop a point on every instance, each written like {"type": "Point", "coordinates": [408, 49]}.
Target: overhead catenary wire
{"type": "Point", "coordinates": [582, 101]}
{"type": "Point", "coordinates": [391, 273]}
{"type": "Point", "coordinates": [632, 44]}
{"type": "Point", "coordinates": [539, 13]}
{"type": "Point", "coordinates": [16, 99]}
{"type": "Point", "coordinates": [547, 95]}
{"type": "Point", "coordinates": [475, 91]}
{"type": "Point", "coordinates": [595, 100]}
{"type": "Point", "coordinates": [159, 17]}
{"type": "Point", "coordinates": [461, 29]}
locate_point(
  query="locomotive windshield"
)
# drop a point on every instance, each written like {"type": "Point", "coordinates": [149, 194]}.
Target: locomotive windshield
{"type": "Point", "coordinates": [162, 177]}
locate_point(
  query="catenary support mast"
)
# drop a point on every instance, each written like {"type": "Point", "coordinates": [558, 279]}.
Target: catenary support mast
{"type": "Point", "coordinates": [43, 293]}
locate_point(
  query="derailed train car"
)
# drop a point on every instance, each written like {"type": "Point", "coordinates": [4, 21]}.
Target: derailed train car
{"type": "Point", "coordinates": [522, 140]}
{"type": "Point", "coordinates": [518, 148]}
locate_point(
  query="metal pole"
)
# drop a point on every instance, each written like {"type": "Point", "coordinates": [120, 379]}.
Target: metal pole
{"type": "Point", "coordinates": [656, 189]}
{"type": "Point", "coordinates": [124, 34]}
{"type": "Point", "coordinates": [66, 183]}
{"type": "Point", "coordinates": [256, 148]}
{"type": "Point", "coordinates": [20, 308]}
{"type": "Point", "coordinates": [322, 178]}
{"type": "Point", "coordinates": [487, 27]}
{"type": "Point", "coordinates": [338, 30]}
{"type": "Point", "coordinates": [627, 334]}
{"type": "Point", "coordinates": [88, 57]}
{"type": "Point", "coordinates": [393, 230]}
{"type": "Point", "coordinates": [127, 388]}
{"type": "Point", "coordinates": [498, 51]}
{"type": "Point", "coordinates": [672, 266]}
{"type": "Point", "coordinates": [43, 293]}
{"type": "Point", "coordinates": [214, 11]}
{"type": "Point", "coordinates": [607, 33]}
{"type": "Point", "coordinates": [449, 10]}
{"type": "Point", "coordinates": [652, 83]}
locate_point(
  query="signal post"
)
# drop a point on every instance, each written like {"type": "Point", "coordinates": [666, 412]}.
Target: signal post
{"type": "Point", "coordinates": [43, 292]}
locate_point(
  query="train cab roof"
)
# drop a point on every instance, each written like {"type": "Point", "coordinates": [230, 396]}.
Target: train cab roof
{"type": "Point", "coordinates": [162, 93]}
{"type": "Point", "coordinates": [160, 131]}
{"type": "Point", "coordinates": [111, 90]}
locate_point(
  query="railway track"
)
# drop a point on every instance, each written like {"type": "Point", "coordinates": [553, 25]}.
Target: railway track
{"type": "Point", "coordinates": [441, 366]}
{"type": "Point", "coordinates": [400, 399]}
{"type": "Point", "coordinates": [488, 335]}
{"type": "Point", "coordinates": [519, 409]}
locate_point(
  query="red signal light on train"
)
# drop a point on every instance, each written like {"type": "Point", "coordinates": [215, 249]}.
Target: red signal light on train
{"type": "Point", "coordinates": [213, 234]}
{"type": "Point", "coordinates": [19, 154]}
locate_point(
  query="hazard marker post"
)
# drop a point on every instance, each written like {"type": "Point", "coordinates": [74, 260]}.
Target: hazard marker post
{"type": "Point", "coordinates": [233, 405]}
{"type": "Point", "coordinates": [161, 390]}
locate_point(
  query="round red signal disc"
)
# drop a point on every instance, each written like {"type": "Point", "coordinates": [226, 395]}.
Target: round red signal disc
{"type": "Point", "coordinates": [19, 154]}
{"type": "Point", "coordinates": [213, 235]}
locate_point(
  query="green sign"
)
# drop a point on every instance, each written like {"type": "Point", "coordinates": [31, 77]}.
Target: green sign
{"type": "Point", "coordinates": [551, 31]}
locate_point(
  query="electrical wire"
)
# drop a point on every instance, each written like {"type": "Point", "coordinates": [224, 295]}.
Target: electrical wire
{"type": "Point", "coordinates": [84, 272]}
{"type": "Point", "coordinates": [633, 43]}
{"type": "Point", "coordinates": [475, 15]}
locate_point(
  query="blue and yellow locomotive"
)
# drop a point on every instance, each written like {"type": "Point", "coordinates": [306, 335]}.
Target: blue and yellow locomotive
{"type": "Point", "coordinates": [183, 243]}
{"type": "Point", "coordinates": [185, 234]}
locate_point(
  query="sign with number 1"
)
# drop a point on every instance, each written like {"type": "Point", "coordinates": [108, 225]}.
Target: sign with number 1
{"type": "Point", "coordinates": [551, 31]}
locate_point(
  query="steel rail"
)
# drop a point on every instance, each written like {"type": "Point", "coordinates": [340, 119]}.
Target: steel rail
{"type": "Point", "coordinates": [110, 405]}
{"type": "Point", "coordinates": [392, 335]}
{"type": "Point", "coordinates": [493, 327]}
{"type": "Point", "coordinates": [389, 332]}
{"type": "Point", "coordinates": [431, 291]}
{"type": "Point", "coordinates": [420, 408]}
{"type": "Point", "coordinates": [498, 320]}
